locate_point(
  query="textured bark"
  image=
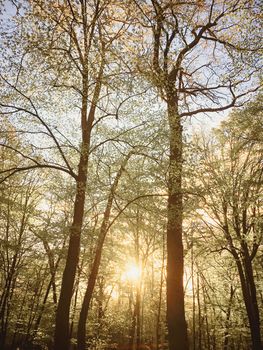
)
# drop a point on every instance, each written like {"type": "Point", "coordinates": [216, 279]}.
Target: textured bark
{"type": "Point", "coordinates": [177, 327]}
{"type": "Point", "coordinates": [61, 337]}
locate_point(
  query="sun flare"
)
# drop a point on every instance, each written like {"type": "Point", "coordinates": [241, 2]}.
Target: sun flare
{"type": "Point", "coordinates": [132, 273]}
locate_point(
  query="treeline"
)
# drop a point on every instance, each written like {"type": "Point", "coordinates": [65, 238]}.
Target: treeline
{"type": "Point", "coordinates": [122, 226]}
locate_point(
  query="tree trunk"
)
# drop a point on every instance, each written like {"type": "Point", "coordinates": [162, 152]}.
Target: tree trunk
{"type": "Point", "coordinates": [250, 298]}
{"type": "Point", "coordinates": [228, 315]}
{"type": "Point", "coordinates": [200, 322]}
{"type": "Point", "coordinates": [177, 327]}
{"type": "Point", "coordinates": [248, 288]}
{"type": "Point", "coordinates": [61, 337]}
{"type": "Point", "coordinates": [193, 296]}
{"type": "Point", "coordinates": [158, 318]}
{"type": "Point", "coordinates": [96, 263]}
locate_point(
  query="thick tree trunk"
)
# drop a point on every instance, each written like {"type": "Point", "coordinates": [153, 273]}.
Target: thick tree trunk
{"type": "Point", "coordinates": [250, 298]}
{"type": "Point", "coordinates": [255, 323]}
{"type": "Point", "coordinates": [61, 337]}
{"type": "Point", "coordinates": [177, 327]}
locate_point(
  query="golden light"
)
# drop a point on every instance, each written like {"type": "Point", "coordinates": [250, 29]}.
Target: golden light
{"type": "Point", "coordinates": [112, 292]}
{"type": "Point", "coordinates": [132, 273]}
{"type": "Point", "coordinates": [188, 286]}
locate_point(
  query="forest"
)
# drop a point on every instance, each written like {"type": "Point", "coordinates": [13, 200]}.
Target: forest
{"type": "Point", "coordinates": [131, 172]}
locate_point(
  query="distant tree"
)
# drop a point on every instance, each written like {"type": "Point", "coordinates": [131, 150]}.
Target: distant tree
{"type": "Point", "coordinates": [230, 173]}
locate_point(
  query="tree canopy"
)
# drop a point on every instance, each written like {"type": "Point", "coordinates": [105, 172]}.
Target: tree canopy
{"type": "Point", "coordinates": [123, 226]}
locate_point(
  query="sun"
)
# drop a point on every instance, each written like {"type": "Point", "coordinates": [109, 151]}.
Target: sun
{"type": "Point", "coordinates": [132, 273]}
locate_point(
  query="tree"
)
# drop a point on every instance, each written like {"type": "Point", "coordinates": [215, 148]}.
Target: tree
{"type": "Point", "coordinates": [80, 84]}
{"type": "Point", "coordinates": [68, 39]}
{"type": "Point", "coordinates": [190, 83]}
{"type": "Point", "coordinates": [105, 225]}
{"type": "Point", "coordinates": [231, 176]}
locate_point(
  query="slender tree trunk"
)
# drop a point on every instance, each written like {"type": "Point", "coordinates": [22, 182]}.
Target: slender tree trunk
{"type": "Point", "coordinates": [81, 334]}
{"type": "Point", "coordinates": [207, 334]}
{"type": "Point", "coordinates": [200, 323]}
{"type": "Point", "coordinates": [20, 314]}
{"type": "Point", "coordinates": [138, 317]}
{"type": "Point", "coordinates": [246, 276]}
{"type": "Point", "coordinates": [158, 334]}
{"type": "Point", "coordinates": [42, 308]}
{"type": "Point", "coordinates": [34, 306]}
{"type": "Point", "coordinates": [193, 297]}
{"type": "Point", "coordinates": [248, 288]}
{"type": "Point", "coordinates": [227, 323]}
{"type": "Point", "coordinates": [137, 307]}
{"type": "Point", "coordinates": [6, 299]}
{"type": "Point", "coordinates": [177, 327]}
{"type": "Point", "coordinates": [100, 307]}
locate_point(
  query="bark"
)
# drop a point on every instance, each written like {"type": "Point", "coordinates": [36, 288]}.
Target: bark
{"type": "Point", "coordinates": [177, 327]}
{"type": "Point", "coordinates": [61, 337]}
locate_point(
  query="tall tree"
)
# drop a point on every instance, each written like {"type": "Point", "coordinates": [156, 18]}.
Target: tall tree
{"type": "Point", "coordinates": [189, 49]}
{"type": "Point", "coordinates": [71, 41]}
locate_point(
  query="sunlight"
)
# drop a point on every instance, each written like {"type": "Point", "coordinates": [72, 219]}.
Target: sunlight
{"type": "Point", "coordinates": [132, 273]}
{"type": "Point", "coordinates": [112, 292]}
{"type": "Point", "coordinates": [188, 285]}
